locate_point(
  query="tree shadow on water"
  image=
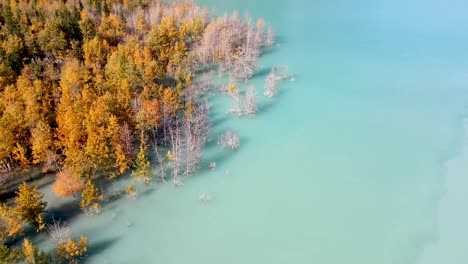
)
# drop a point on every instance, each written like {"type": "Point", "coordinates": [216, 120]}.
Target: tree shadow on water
{"type": "Point", "coordinates": [65, 212]}
{"type": "Point", "coordinates": [98, 247]}
{"type": "Point", "coordinates": [221, 157]}
{"type": "Point", "coordinates": [262, 73]}
{"type": "Point", "coordinates": [264, 107]}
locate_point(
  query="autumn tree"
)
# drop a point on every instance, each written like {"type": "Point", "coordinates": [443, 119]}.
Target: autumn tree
{"type": "Point", "coordinates": [34, 256]}
{"type": "Point", "coordinates": [142, 171]}
{"type": "Point", "coordinates": [41, 142]}
{"type": "Point", "coordinates": [19, 154]}
{"type": "Point", "coordinates": [90, 198]}
{"type": "Point", "coordinates": [71, 250]}
{"type": "Point", "coordinates": [30, 205]}
{"type": "Point", "coordinates": [67, 183]}
{"type": "Point", "coordinates": [11, 224]}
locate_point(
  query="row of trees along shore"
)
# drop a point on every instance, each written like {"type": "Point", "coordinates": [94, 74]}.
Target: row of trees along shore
{"type": "Point", "coordinates": [88, 88]}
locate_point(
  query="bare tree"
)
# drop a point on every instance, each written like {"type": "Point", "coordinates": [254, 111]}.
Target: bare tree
{"type": "Point", "coordinates": [236, 106]}
{"type": "Point", "coordinates": [250, 101]}
{"type": "Point", "coordinates": [196, 127]}
{"type": "Point", "coordinates": [58, 231]}
{"type": "Point", "coordinates": [229, 140]}
{"type": "Point", "coordinates": [204, 197]}
{"type": "Point", "coordinates": [212, 166]}
{"type": "Point", "coordinates": [175, 156]}
{"type": "Point", "coordinates": [52, 160]}
{"type": "Point", "coordinates": [160, 163]}
{"type": "Point", "coordinates": [274, 77]}
{"type": "Point", "coordinates": [269, 36]}
{"type": "Point", "coordinates": [246, 62]}
{"type": "Point", "coordinates": [126, 138]}
{"type": "Point", "coordinates": [271, 84]}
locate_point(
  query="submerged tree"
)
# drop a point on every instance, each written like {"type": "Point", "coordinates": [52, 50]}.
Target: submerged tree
{"type": "Point", "coordinates": [58, 231]}
{"type": "Point", "coordinates": [196, 127]}
{"type": "Point", "coordinates": [236, 104]}
{"type": "Point", "coordinates": [269, 37]}
{"type": "Point", "coordinates": [229, 140]}
{"type": "Point", "coordinates": [250, 104]}
{"type": "Point", "coordinates": [274, 77]}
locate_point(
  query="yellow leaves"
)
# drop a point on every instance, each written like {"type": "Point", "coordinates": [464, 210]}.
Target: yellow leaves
{"type": "Point", "coordinates": [95, 52]}
{"type": "Point", "coordinates": [141, 24]}
{"type": "Point", "coordinates": [30, 206]}
{"type": "Point", "coordinates": [232, 88]}
{"type": "Point", "coordinates": [29, 251]}
{"type": "Point", "coordinates": [7, 76]}
{"type": "Point", "coordinates": [89, 197]}
{"type": "Point", "coordinates": [12, 45]}
{"type": "Point", "coordinates": [192, 28]}
{"type": "Point", "coordinates": [170, 156]}
{"type": "Point", "coordinates": [149, 115]}
{"type": "Point", "coordinates": [87, 26]}
{"type": "Point", "coordinates": [41, 140]}
{"type": "Point", "coordinates": [189, 108]}
{"type": "Point", "coordinates": [72, 249]}
{"type": "Point", "coordinates": [170, 101]}
{"type": "Point", "coordinates": [131, 191]}
{"type": "Point", "coordinates": [111, 29]}
{"type": "Point", "coordinates": [142, 170]}
{"type": "Point", "coordinates": [19, 154]}
{"type": "Point", "coordinates": [10, 222]}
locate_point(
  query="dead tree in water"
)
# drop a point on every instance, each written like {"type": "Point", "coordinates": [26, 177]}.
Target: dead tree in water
{"type": "Point", "coordinates": [274, 77]}
{"type": "Point", "coordinates": [160, 163]}
{"type": "Point", "coordinates": [196, 127]}
{"type": "Point", "coordinates": [250, 101]}
{"type": "Point", "coordinates": [58, 231]}
{"type": "Point", "coordinates": [236, 106]}
{"type": "Point", "coordinates": [229, 140]}
{"type": "Point", "coordinates": [269, 37]}
{"type": "Point", "coordinates": [246, 61]}
{"type": "Point", "coordinates": [175, 155]}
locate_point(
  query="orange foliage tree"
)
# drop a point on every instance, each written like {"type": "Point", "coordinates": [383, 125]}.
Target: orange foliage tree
{"type": "Point", "coordinates": [67, 183]}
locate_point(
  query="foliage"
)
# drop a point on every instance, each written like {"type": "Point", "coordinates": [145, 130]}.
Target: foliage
{"type": "Point", "coordinates": [79, 79]}
{"type": "Point", "coordinates": [32, 255]}
{"type": "Point", "coordinates": [90, 197]}
{"type": "Point", "coordinates": [67, 183]}
{"type": "Point", "coordinates": [30, 205]}
{"type": "Point", "coordinates": [10, 222]}
{"type": "Point", "coordinates": [142, 170]}
{"type": "Point", "coordinates": [71, 250]}
{"type": "Point", "coordinates": [131, 191]}
{"type": "Point", "coordinates": [10, 254]}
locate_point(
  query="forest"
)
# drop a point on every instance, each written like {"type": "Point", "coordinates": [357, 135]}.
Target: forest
{"type": "Point", "coordinates": [92, 89]}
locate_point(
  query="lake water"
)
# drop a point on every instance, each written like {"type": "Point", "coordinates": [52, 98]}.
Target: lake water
{"type": "Point", "coordinates": [360, 160]}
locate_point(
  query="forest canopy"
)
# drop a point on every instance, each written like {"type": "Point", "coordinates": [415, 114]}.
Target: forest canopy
{"type": "Point", "coordinates": [87, 87]}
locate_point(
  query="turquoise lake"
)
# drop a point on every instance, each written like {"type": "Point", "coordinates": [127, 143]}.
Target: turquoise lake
{"type": "Point", "coordinates": [360, 160]}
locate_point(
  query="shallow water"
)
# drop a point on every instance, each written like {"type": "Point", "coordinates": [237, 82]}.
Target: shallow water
{"type": "Point", "coordinates": [347, 165]}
